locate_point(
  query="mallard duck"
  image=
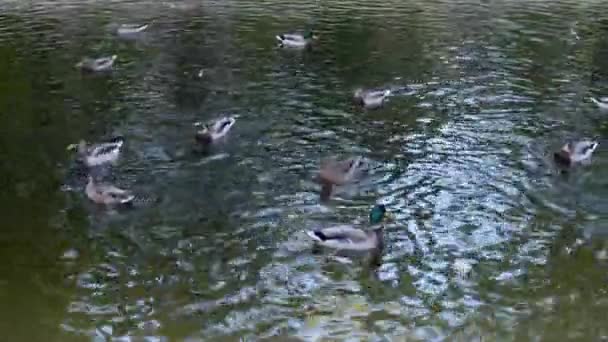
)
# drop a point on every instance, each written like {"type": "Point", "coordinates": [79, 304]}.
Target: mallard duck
{"type": "Point", "coordinates": [97, 64]}
{"type": "Point", "coordinates": [371, 98]}
{"type": "Point", "coordinates": [213, 132]}
{"type": "Point", "coordinates": [602, 102]}
{"type": "Point", "coordinates": [107, 194]}
{"type": "Point", "coordinates": [578, 152]}
{"type": "Point", "coordinates": [296, 40]}
{"type": "Point", "coordinates": [338, 172]}
{"type": "Point", "coordinates": [98, 154]}
{"type": "Point", "coordinates": [130, 29]}
{"type": "Point", "coordinates": [346, 237]}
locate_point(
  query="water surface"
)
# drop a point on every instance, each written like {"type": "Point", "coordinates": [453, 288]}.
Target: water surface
{"type": "Point", "coordinates": [490, 240]}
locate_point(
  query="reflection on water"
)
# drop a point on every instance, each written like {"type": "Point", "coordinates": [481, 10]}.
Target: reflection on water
{"type": "Point", "coordinates": [490, 240]}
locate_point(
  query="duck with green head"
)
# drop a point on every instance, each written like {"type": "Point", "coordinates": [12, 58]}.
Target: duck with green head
{"type": "Point", "coordinates": [346, 237]}
{"type": "Point", "coordinates": [296, 40]}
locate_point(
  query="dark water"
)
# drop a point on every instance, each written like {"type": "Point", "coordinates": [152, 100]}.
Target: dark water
{"type": "Point", "coordinates": [490, 241]}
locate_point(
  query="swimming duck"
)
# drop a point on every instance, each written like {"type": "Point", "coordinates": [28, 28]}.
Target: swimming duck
{"type": "Point", "coordinates": [213, 132]}
{"type": "Point", "coordinates": [602, 102]}
{"type": "Point", "coordinates": [371, 98]}
{"type": "Point", "coordinates": [578, 152]}
{"type": "Point", "coordinates": [130, 29]}
{"type": "Point", "coordinates": [107, 194]}
{"type": "Point", "coordinates": [98, 154]}
{"type": "Point", "coordinates": [338, 172]}
{"type": "Point", "coordinates": [296, 40]}
{"type": "Point", "coordinates": [346, 237]}
{"type": "Point", "coordinates": [97, 64]}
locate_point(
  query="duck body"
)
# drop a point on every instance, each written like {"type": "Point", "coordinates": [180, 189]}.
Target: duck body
{"type": "Point", "coordinates": [97, 64]}
{"type": "Point", "coordinates": [573, 153]}
{"type": "Point", "coordinates": [99, 154]}
{"type": "Point", "coordinates": [602, 103]}
{"type": "Point", "coordinates": [346, 237]}
{"type": "Point", "coordinates": [130, 29]}
{"type": "Point", "coordinates": [371, 98]}
{"type": "Point", "coordinates": [215, 131]}
{"type": "Point", "coordinates": [295, 40]}
{"type": "Point", "coordinates": [107, 194]}
{"type": "Point", "coordinates": [338, 172]}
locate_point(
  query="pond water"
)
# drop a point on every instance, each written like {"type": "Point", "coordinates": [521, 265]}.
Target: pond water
{"type": "Point", "coordinates": [490, 241]}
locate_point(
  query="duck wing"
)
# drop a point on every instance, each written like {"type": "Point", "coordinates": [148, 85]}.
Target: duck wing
{"type": "Point", "coordinates": [120, 195]}
{"type": "Point", "coordinates": [292, 36]}
{"type": "Point", "coordinates": [344, 238]}
{"type": "Point", "coordinates": [335, 171]}
{"type": "Point", "coordinates": [583, 150]}
{"type": "Point", "coordinates": [106, 148]}
{"type": "Point", "coordinates": [131, 28]}
{"type": "Point", "coordinates": [222, 125]}
{"type": "Point", "coordinates": [343, 233]}
{"type": "Point", "coordinates": [104, 63]}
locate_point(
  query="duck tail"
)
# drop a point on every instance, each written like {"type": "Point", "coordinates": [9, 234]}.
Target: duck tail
{"type": "Point", "coordinates": [280, 38]}
{"type": "Point", "coordinates": [594, 145]}
{"type": "Point", "coordinates": [316, 235]}
{"type": "Point", "coordinates": [127, 199]}
{"type": "Point", "coordinates": [117, 141]}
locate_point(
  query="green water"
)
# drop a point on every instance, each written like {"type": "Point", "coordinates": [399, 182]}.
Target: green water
{"type": "Point", "coordinates": [214, 247]}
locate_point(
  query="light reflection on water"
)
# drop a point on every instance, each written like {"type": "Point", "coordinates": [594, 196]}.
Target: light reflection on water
{"type": "Point", "coordinates": [490, 239]}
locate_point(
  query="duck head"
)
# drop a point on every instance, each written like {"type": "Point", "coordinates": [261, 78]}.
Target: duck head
{"type": "Point", "coordinates": [310, 34]}
{"type": "Point", "coordinates": [80, 147]}
{"type": "Point", "coordinates": [377, 214]}
{"type": "Point", "coordinates": [358, 94]}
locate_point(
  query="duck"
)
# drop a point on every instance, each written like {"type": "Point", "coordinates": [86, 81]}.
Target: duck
{"type": "Point", "coordinates": [107, 194]}
{"type": "Point", "coordinates": [371, 98]}
{"type": "Point", "coordinates": [211, 133]}
{"type": "Point", "coordinates": [98, 154]}
{"type": "Point", "coordinates": [97, 64]}
{"type": "Point", "coordinates": [338, 172]}
{"type": "Point", "coordinates": [578, 152]}
{"type": "Point", "coordinates": [602, 103]}
{"type": "Point", "coordinates": [296, 40]}
{"type": "Point", "coordinates": [130, 29]}
{"type": "Point", "coordinates": [349, 238]}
